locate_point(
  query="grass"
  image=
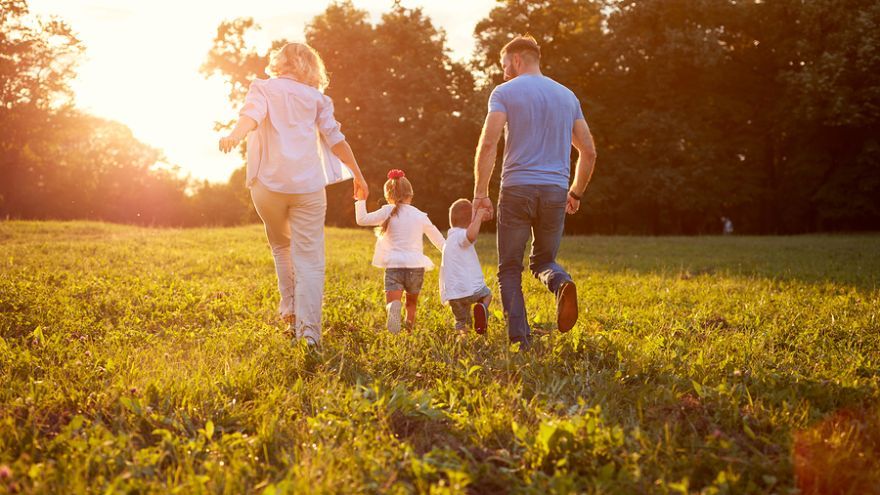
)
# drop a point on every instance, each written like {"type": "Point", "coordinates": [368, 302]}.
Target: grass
{"type": "Point", "coordinates": [137, 360]}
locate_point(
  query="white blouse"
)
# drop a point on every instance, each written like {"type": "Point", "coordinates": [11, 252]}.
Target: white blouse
{"type": "Point", "coordinates": [401, 245]}
{"type": "Point", "coordinates": [289, 152]}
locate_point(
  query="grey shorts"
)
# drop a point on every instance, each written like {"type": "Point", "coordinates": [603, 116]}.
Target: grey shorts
{"type": "Point", "coordinates": [461, 307]}
{"type": "Point", "coordinates": [405, 279]}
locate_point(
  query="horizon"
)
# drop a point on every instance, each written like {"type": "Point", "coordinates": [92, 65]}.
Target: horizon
{"type": "Point", "coordinates": [121, 80]}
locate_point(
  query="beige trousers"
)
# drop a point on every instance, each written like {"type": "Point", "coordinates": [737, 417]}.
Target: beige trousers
{"type": "Point", "coordinates": [295, 230]}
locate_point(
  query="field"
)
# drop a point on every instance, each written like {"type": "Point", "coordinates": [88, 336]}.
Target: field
{"type": "Point", "coordinates": [150, 361]}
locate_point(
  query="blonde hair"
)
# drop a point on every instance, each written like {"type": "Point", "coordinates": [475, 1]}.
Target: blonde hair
{"type": "Point", "coordinates": [396, 191]}
{"type": "Point", "coordinates": [300, 61]}
{"type": "Point", "coordinates": [460, 213]}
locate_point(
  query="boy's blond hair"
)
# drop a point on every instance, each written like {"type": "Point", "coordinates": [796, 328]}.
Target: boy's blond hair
{"type": "Point", "coordinates": [460, 213]}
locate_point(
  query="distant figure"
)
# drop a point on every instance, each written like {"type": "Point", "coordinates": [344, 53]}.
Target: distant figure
{"type": "Point", "coordinates": [292, 156]}
{"type": "Point", "coordinates": [399, 246]}
{"type": "Point", "coordinates": [543, 119]}
{"type": "Point", "coordinates": [462, 284]}
{"type": "Point", "coordinates": [726, 226]}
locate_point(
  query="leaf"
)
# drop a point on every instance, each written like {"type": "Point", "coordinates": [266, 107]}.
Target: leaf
{"type": "Point", "coordinates": [209, 429]}
{"type": "Point", "coordinates": [698, 388]}
{"type": "Point", "coordinates": [38, 334]}
{"type": "Point", "coordinates": [749, 432]}
{"type": "Point", "coordinates": [131, 404]}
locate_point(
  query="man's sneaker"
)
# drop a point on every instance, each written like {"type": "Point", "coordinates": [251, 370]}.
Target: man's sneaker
{"type": "Point", "coordinates": [566, 307]}
{"type": "Point", "coordinates": [393, 322]}
{"type": "Point", "coordinates": [481, 318]}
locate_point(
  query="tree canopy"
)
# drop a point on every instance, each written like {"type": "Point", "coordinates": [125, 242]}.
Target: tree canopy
{"type": "Point", "coordinates": [767, 113]}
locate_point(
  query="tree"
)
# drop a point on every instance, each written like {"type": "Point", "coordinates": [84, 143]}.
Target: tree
{"type": "Point", "coordinates": [402, 101]}
{"type": "Point", "coordinates": [765, 112]}
{"type": "Point", "coordinates": [37, 61]}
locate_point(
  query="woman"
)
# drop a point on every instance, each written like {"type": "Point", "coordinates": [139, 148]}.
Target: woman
{"type": "Point", "coordinates": [292, 156]}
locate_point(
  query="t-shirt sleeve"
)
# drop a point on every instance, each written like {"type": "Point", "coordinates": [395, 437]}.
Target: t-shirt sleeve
{"type": "Point", "coordinates": [578, 110]}
{"type": "Point", "coordinates": [459, 238]}
{"type": "Point", "coordinates": [496, 101]}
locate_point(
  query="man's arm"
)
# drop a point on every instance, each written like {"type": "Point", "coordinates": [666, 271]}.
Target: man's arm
{"type": "Point", "coordinates": [582, 140]}
{"type": "Point", "coordinates": [484, 161]}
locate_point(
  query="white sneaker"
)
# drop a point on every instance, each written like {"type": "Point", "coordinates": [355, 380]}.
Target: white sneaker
{"type": "Point", "coordinates": [393, 322]}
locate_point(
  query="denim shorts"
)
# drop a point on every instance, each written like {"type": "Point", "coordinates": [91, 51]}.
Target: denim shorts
{"type": "Point", "coordinates": [405, 279]}
{"type": "Point", "coordinates": [461, 307]}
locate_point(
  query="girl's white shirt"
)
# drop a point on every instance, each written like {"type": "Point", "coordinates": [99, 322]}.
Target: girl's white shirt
{"type": "Point", "coordinates": [401, 244]}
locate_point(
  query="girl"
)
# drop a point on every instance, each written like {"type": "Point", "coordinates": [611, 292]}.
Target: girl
{"type": "Point", "coordinates": [399, 246]}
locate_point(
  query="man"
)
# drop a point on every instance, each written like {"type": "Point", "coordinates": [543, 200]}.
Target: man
{"type": "Point", "coordinates": [543, 120]}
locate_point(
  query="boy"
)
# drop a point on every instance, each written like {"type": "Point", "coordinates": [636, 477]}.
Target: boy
{"type": "Point", "coordinates": [461, 278]}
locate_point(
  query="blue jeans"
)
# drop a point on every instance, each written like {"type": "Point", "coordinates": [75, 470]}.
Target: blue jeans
{"type": "Point", "coordinates": [523, 211]}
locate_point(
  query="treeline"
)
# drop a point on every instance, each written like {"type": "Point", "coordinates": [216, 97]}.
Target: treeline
{"type": "Point", "coordinates": [767, 113]}
{"type": "Point", "coordinates": [57, 162]}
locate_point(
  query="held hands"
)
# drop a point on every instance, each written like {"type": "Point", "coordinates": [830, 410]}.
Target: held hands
{"type": "Point", "coordinates": [572, 205]}
{"type": "Point", "coordinates": [483, 214]}
{"type": "Point", "coordinates": [483, 207]}
{"type": "Point", "coordinates": [361, 190]}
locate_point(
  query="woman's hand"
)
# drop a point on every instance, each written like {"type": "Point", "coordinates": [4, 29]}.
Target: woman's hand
{"type": "Point", "coordinates": [229, 143]}
{"type": "Point", "coordinates": [244, 125]}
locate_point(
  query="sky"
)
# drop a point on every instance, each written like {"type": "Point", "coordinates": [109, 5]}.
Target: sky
{"type": "Point", "coordinates": [142, 59]}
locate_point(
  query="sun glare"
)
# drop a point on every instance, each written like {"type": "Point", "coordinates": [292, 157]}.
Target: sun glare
{"type": "Point", "coordinates": [141, 65]}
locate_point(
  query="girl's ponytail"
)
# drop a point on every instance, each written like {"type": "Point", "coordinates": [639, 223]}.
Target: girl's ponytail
{"type": "Point", "coordinates": [397, 189]}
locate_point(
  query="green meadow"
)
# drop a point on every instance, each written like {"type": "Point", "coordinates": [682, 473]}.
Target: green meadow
{"type": "Point", "coordinates": [137, 360]}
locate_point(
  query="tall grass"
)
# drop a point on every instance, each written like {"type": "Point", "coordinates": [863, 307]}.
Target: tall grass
{"type": "Point", "coordinates": [147, 361]}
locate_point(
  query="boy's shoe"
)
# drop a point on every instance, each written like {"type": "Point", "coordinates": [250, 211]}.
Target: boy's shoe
{"type": "Point", "coordinates": [566, 306]}
{"type": "Point", "coordinates": [393, 320]}
{"type": "Point", "coordinates": [481, 318]}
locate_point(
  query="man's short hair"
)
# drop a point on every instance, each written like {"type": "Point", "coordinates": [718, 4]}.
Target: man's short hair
{"type": "Point", "coordinates": [460, 213]}
{"type": "Point", "coordinates": [524, 44]}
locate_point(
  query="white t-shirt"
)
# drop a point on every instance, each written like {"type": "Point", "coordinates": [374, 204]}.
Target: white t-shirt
{"type": "Point", "coordinates": [460, 272]}
{"type": "Point", "coordinates": [401, 245]}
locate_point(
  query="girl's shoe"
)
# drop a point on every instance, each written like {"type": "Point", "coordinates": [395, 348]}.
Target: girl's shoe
{"type": "Point", "coordinates": [481, 318]}
{"type": "Point", "coordinates": [393, 320]}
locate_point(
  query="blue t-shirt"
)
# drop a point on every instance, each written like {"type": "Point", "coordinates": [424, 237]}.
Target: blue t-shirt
{"type": "Point", "coordinates": [540, 117]}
